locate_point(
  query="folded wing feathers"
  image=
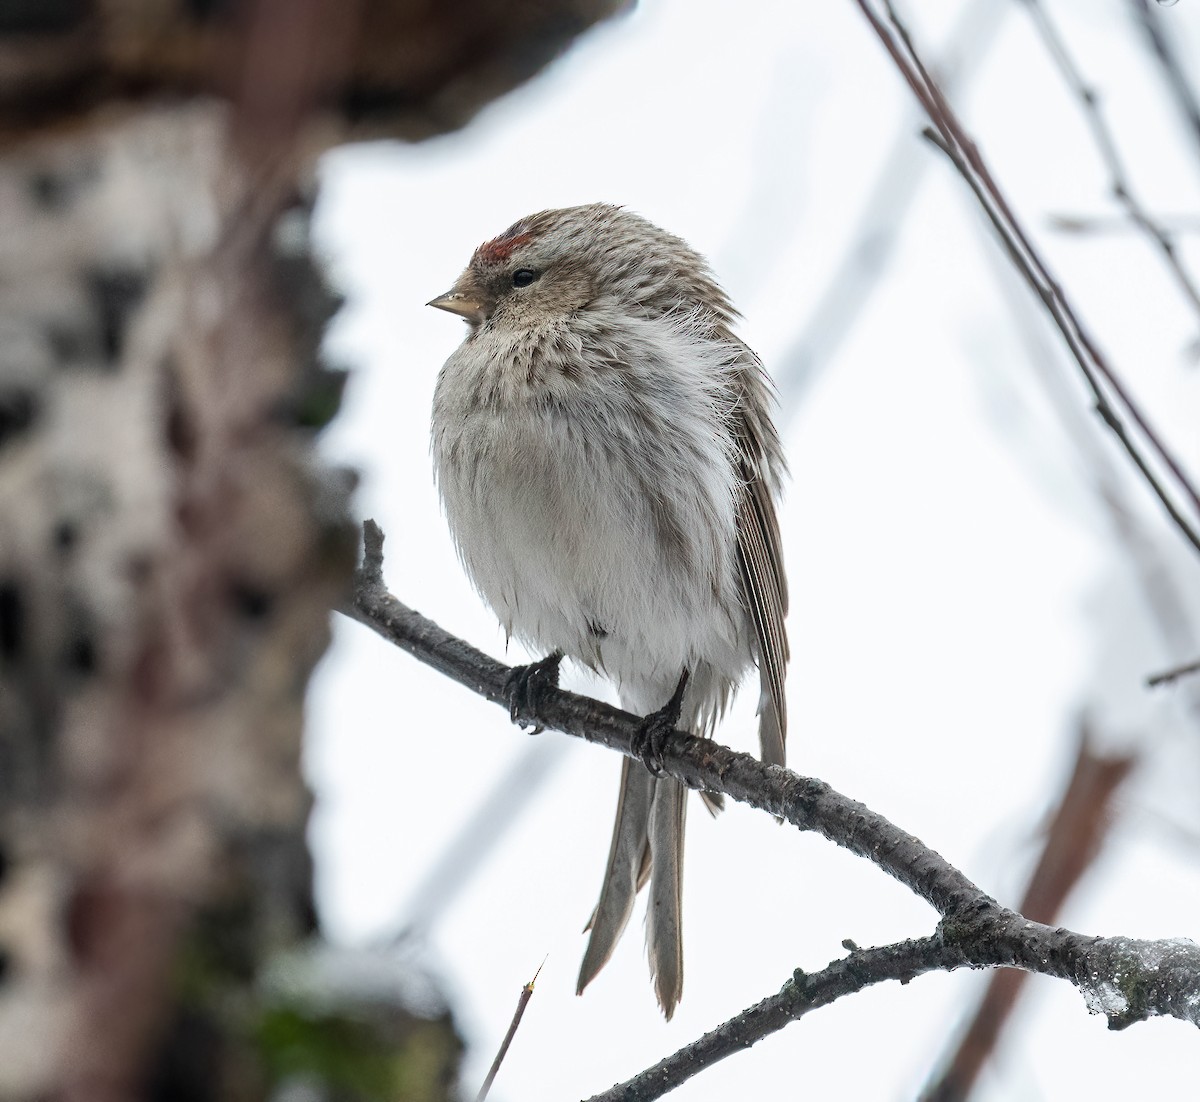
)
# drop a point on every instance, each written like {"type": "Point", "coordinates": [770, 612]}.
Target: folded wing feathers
{"type": "Point", "coordinates": [762, 580]}
{"type": "Point", "coordinates": [760, 550]}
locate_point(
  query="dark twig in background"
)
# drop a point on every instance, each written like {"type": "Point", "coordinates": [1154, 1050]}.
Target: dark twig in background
{"type": "Point", "coordinates": [1167, 676]}
{"type": "Point", "coordinates": [1173, 224]}
{"type": "Point", "coordinates": [1122, 190]}
{"type": "Point", "coordinates": [1162, 590]}
{"type": "Point", "coordinates": [1125, 979]}
{"type": "Point", "coordinates": [1074, 837]}
{"type": "Point", "coordinates": [1088, 808]}
{"type": "Point", "coordinates": [953, 140]}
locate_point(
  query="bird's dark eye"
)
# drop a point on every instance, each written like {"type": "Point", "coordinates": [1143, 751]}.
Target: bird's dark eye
{"type": "Point", "coordinates": [523, 277]}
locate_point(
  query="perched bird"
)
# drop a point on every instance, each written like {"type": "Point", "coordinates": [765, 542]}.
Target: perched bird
{"type": "Point", "coordinates": [606, 459]}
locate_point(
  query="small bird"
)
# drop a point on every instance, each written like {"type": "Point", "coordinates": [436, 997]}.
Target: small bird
{"type": "Point", "coordinates": [607, 463]}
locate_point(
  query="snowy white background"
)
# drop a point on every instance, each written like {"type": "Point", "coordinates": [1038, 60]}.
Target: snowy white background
{"type": "Point", "coordinates": [957, 595]}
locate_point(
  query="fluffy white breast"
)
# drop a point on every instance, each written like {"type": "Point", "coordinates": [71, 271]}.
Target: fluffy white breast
{"type": "Point", "coordinates": [588, 479]}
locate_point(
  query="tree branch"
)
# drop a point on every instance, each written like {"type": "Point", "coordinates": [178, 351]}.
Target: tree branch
{"type": "Point", "coordinates": [1073, 840]}
{"type": "Point", "coordinates": [949, 135]}
{"type": "Point", "coordinates": [802, 993]}
{"type": "Point", "coordinates": [993, 937]}
{"type": "Point", "coordinates": [1106, 144]}
{"type": "Point", "coordinates": [699, 763]}
{"type": "Point", "coordinates": [1173, 674]}
{"type": "Point", "coordinates": [1125, 979]}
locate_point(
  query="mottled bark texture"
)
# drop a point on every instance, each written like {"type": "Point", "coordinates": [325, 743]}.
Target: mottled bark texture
{"type": "Point", "coordinates": [394, 68]}
{"type": "Point", "coordinates": [170, 547]}
{"type": "Point", "coordinates": [165, 575]}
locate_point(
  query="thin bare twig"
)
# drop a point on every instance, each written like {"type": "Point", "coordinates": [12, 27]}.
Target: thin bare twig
{"type": "Point", "coordinates": [1127, 980]}
{"type": "Point", "coordinates": [1087, 806]}
{"type": "Point", "coordinates": [953, 140]}
{"type": "Point", "coordinates": [1175, 225]}
{"type": "Point", "coordinates": [518, 1014]}
{"type": "Point", "coordinates": [966, 157]}
{"type": "Point", "coordinates": [1167, 676]}
{"type": "Point", "coordinates": [1163, 592]}
{"type": "Point", "coordinates": [1102, 135]}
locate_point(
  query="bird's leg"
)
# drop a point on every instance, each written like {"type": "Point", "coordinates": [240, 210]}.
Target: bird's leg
{"type": "Point", "coordinates": [525, 685]}
{"type": "Point", "coordinates": [653, 730]}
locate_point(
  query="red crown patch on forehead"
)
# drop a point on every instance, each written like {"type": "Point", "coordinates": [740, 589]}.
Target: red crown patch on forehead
{"type": "Point", "coordinates": [499, 249]}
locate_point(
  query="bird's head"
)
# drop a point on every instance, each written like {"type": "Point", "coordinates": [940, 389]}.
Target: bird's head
{"type": "Point", "coordinates": [556, 263]}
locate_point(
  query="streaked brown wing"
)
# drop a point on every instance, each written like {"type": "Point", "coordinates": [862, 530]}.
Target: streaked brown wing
{"type": "Point", "coordinates": [760, 558]}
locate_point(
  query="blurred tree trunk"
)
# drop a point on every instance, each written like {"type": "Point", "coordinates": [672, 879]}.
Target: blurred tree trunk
{"type": "Point", "coordinates": [170, 546]}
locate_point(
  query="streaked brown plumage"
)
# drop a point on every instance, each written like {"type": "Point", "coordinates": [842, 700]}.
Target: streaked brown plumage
{"type": "Point", "coordinates": [606, 458]}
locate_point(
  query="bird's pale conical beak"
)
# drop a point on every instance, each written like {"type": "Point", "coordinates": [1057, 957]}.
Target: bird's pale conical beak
{"type": "Point", "coordinates": [465, 306]}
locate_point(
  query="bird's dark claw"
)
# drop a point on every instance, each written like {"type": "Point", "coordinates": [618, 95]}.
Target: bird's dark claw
{"type": "Point", "coordinates": [651, 737]}
{"type": "Point", "coordinates": [524, 687]}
